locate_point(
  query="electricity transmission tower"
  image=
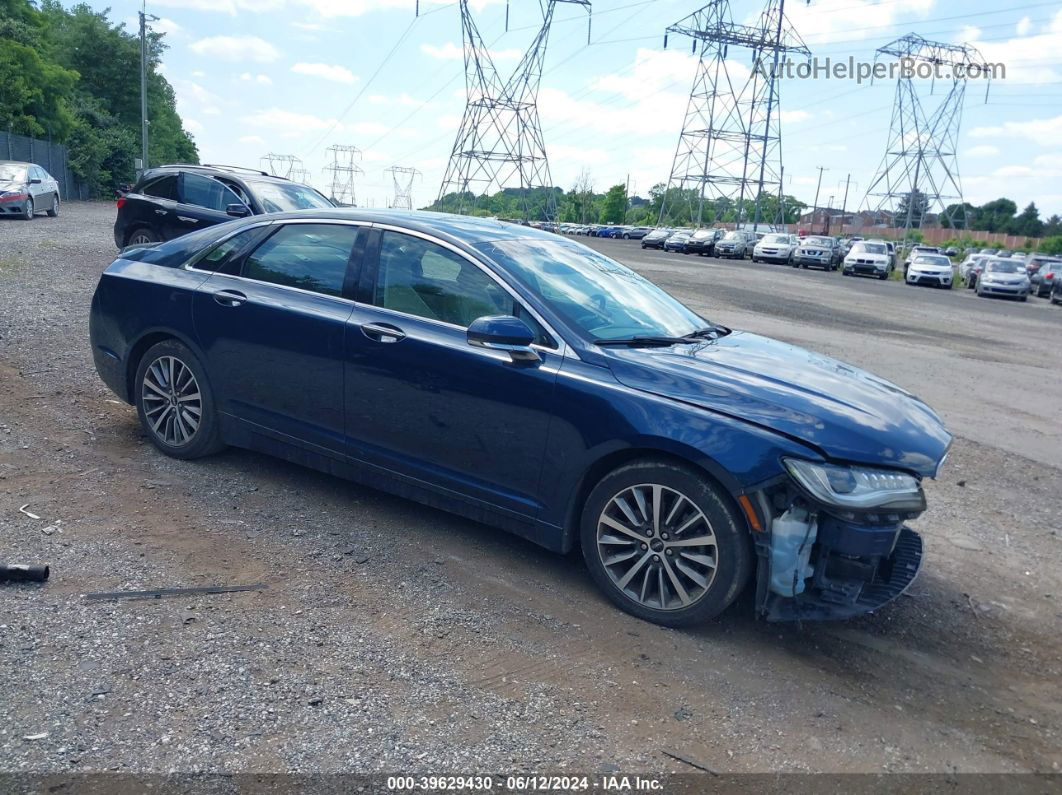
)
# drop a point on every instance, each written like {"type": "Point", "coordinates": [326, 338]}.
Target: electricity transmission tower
{"type": "Point", "coordinates": [282, 165]}
{"type": "Point", "coordinates": [499, 143]}
{"type": "Point", "coordinates": [300, 175]}
{"type": "Point", "coordinates": [730, 148]}
{"type": "Point", "coordinates": [920, 170]}
{"type": "Point", "coordinates": [403, 178]}
{"type": "Point", "coordinates": [343, 170]}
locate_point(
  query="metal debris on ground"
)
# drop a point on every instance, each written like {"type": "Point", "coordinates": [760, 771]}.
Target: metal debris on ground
{"type": "Point", "coordinates": [28, 513]}
{"type": "Point", "coordinates": [160, 592]}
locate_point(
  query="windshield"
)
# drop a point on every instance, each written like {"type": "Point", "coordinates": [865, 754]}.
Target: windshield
{"type": "Point", "coordinates": [825, 242]}
{"type": "Point", "coordinates": [591, 292]}
{"type": "Point", "coordinates": [279, 197]}
{"type": "Point", "coordinates": [732, 236]}
{"type": "Point", "coordinates": [1002, 266]}
{"type": "Point", "coordinates": [870, 248]}
{"type": "Point", "coordinates": [10, 172]}
{"type": "Point", "coordinates": [701, 234]}
{"type": "Point", "coordinates": [775, 239]}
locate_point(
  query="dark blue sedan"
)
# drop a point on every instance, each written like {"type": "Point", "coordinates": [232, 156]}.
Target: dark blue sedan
{"type": "Point", "coordinates": [522, 379]}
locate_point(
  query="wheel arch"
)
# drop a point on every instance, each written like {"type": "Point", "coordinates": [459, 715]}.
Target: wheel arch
{"type": "Point", "coordinates": [667, 451]}
{"type": "Point", "coordinates": [141, 346]}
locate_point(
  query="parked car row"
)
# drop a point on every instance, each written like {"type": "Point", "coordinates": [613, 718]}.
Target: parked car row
{"type": "Point", "coordinates": [601, 230]}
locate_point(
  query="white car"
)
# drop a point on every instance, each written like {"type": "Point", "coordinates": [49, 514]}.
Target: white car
{"type": "Point", "coordinates": [774, 248]}
{"type": "Point", "coordinates": [868, 258]}
{"type": "Point", "coordinates": [932, 269]}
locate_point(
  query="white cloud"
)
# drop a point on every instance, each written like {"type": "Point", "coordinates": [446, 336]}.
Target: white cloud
{"type": "Point", "coordinates": [451, 52]}
{"type": "Point", "coordinates": [261, 79]}
{"type": "Point", "coordinates": [1028, 59]}
{"type": "Point", "coordinates": [1024, 26]}
{"type": "Point", "coordinates": [984, 150]}
{"type": "Point", "coordinates": [404, 100]}
{"type": "Point", "coordinates": [356, 8]}
{"type": "Point", "coordinates": [198, 73]}
{"type": "Point", "coordinates": [842, 20]}
{"type": "Point", "coordinates": [237, 48]}
{"type": "Point", "coordinates": [1046, 132]}
{"type": "Point", "coordinates": [222, 6]}
{"type": "Point", "coordinates": [252, 139]}
{"type": "Point", "coordinates": [792, 116]}
{"type": "Point", "coordinates": [191, 125]}
{"type": "Point", "coordinates": [333, 72]}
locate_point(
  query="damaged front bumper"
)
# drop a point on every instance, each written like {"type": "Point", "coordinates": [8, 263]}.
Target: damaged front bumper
{"type": "Point", "coordinates": [844, 585]}
{"type": "Point", "coordinates": [818, 562]}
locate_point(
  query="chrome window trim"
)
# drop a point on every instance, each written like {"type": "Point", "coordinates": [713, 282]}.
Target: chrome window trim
{"type": "Point", "coordinates": [563, 348]}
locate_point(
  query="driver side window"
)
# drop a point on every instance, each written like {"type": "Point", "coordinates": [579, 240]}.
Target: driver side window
{"type": "Point", "coordinates": [420, 278]}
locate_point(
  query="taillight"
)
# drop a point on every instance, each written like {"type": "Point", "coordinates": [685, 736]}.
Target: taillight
{"type": "Point", "coordinates": [121, 202]}
{"type": "Point", "coordinates": [1048, 276]}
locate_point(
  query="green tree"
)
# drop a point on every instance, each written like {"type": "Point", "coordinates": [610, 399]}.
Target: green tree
{"type": "Point", "coordinates": [913, 205]}
{"type": "Point", "coordinates": [1028, 223]}
{"type": "Point", "coordinates": [614, 205]}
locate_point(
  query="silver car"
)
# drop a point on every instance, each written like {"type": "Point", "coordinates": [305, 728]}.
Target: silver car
{"type": "Point", "coordinates": [1004, 277]}
{"type": "Point", "coordinates": [774, 248]}
{"type": "Point", "coordinates": [27, 189]}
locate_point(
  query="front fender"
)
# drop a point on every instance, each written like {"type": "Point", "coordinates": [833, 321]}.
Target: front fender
{"type": "Point", "coordinates": [598, 419]}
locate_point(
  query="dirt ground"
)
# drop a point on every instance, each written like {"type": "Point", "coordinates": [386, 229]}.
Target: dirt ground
{"type": "Point", "coordinates": [395, 637]}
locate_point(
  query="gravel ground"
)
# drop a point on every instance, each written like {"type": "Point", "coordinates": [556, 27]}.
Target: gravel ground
{"type": "Point", "coordinates": [394, 637]}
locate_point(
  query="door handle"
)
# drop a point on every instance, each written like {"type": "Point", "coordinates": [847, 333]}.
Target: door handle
{"type": "Point", "coordinates": [161, 212]}
{"type": "Point", "coordinates": [186, 219]}
{"type": "Point", "coordinates": [229, 297]}
{"type": "Point", "coordinates": [382, 332]}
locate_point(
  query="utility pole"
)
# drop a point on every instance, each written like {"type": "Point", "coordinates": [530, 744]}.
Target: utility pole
{"type": "Point", "coordinates": [815, 206]}
{"type": "Point", "coordinates": [144, 19]}
{"type": "Point", "coordinates": [844, 204]}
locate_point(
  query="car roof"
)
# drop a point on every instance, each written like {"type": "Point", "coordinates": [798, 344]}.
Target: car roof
{"type": "Point", "coordinates": [461, 228]}
{"type": "Point", "coordinates": [16, 163]}
{"type": "Point", "coordinates": [237, 172]}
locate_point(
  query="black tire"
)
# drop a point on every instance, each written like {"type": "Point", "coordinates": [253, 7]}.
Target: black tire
{"type": "Point", "coordinates": [54, 212]}
{"type": "Point", "coordinates": [142, 234]}
{"type": "Point", "coordinates": [27, 213]}
{"type": "Point", "coordinates": [626, 237]}
{"type": "Point", "coordinates": [733, 549]}
{"type": "Point", "coordinates": [206, 437]}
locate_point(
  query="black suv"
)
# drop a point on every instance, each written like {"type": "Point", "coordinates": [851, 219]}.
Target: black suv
{"type": "Point", "coordinates": [170, 201]}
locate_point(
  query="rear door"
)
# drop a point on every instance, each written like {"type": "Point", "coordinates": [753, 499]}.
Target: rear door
{"type": "Point", "coordinates": [202, 203]}
{"type": "Point", "coordinates": [271, 325]}
{"type": "Point", "coordinates": [153, 207]}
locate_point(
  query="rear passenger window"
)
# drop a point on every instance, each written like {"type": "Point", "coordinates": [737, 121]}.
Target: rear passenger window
{"type": "Point", "coordinates": [206, 192]}
{"type": "Point", "coordinates": [165, 188]}
{"type": "Point", "coordinates": [220, 258]}
{"type": "Point", "coordinates": [308, 256]}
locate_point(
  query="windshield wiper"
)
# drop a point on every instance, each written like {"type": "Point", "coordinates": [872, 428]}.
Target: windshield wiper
{"type": "Point", "coordinates": [646, 341]}
{"type": "Point", "coordinates": [707, 332]}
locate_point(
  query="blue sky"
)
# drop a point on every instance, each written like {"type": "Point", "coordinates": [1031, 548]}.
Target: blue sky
{"type": "Point", "coordinates": [294, 76]}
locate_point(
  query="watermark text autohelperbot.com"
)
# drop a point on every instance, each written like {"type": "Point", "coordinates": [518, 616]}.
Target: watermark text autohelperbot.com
{"type": "Point", "coordinates": [863, 71]}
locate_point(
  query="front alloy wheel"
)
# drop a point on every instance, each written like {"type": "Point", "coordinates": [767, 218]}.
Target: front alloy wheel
{"type": "Point", "coordinates": [657, 546]}
{"type": "Point", "coordinates": [664, 543]}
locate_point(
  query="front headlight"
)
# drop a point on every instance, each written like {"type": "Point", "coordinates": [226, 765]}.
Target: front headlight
{"type": "Point", "coordinates": [857, 487]}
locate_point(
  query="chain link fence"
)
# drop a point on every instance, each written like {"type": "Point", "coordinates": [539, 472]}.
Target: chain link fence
{"type": "Point", "coordinates": [52, 157]}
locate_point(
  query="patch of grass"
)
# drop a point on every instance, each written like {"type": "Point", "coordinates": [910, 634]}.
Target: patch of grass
{"type": "Point", "coordinates": [7, 263]}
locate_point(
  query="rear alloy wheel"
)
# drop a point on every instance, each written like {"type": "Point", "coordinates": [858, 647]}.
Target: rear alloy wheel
{"type": "Point", "coordinates": [143, 237]}
{"type": "Point", "coordinates": [54, 212]}
{"type": "Point", "coordinates": [664, 543]}
{"type": "Point", "coordinates": [28, 211]}
{"type": "Point", "coordinates": [175, 403]}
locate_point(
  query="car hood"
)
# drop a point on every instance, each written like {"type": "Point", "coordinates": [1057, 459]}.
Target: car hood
{"type": "Point", "coordinates": [6, 185]}
{"type": "Point", "coordinates": [845, 412]}
{"type": "Point", "coordinates": [931, 268]}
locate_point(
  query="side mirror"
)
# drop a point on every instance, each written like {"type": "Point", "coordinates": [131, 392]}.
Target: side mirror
{"type": "Point", "coordinates": [504, 333]}
{"type": "Point", "coordinates": [34, 181]}
{"type": "Point", "coordinates": [238, 210]}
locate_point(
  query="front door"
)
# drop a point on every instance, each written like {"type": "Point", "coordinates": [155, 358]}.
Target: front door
{"type": "Point", "coordinates": [423, 402]}
{"type": "Point", "coordinates": [272, 331]}
{"type": "Point", "coordinates": [203, 203]}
